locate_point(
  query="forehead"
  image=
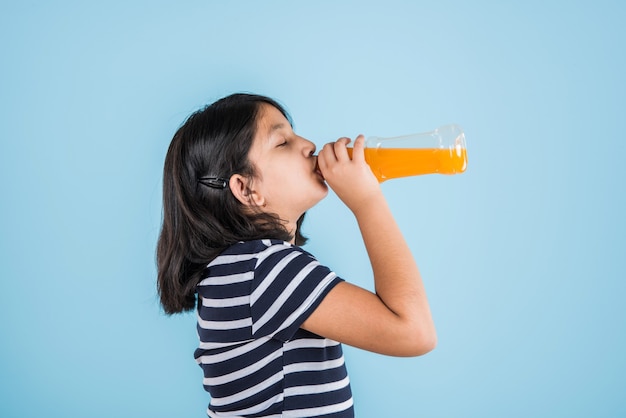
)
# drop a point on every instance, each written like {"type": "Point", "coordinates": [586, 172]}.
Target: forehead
{"type": "Point", "coordinates": [270, 119]}
{"type": "Point", "coordinates": [271, 123]}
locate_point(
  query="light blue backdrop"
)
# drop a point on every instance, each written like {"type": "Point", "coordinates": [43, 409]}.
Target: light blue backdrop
{"type": "Point", "coordinates": [522, 255]}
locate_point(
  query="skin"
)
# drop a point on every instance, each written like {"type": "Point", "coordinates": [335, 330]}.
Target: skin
{"type": "Point", "coordinates": [288, 181]}
{"type": "Point", "coordinates": [395, 319]}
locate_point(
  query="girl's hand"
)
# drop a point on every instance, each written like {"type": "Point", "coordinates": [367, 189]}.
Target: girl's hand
{"type": "Point", "coordinates": [351, 179]}
{"type": "Point", "coordinates": [394, 321]}
{"type": "Point", "coordinates": [396, 318]}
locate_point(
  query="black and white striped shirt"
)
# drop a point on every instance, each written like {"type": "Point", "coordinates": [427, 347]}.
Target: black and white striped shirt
{"type": "Point", "coordinates": [257, 361]}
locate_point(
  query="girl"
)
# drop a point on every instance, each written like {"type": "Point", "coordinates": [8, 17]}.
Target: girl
{"type": "Point", "coordinates": [237, 183]}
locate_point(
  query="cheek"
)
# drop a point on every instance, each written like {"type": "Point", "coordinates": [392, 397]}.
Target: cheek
{"type": "Point", "coordinates": [285, 177]}
{"type": "Point", "coordinates": [276, 182]}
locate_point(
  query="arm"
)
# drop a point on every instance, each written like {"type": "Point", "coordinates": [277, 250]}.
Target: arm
{"type": "Point", "coordinates": [395, 320]}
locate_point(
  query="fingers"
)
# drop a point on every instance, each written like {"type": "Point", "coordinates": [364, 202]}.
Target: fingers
{"type": "Point", "coordinates": [339, 146]}
{"type": "Point", "coordinates": [359, 147]}
{"type": "Point", "coordinates": [359, 142]}
{"type": "Point", "coordinates": [334, 151]}
{"type": "Point", "coordinates": [344, 140]}
{"type": "Point", "coordinates": [326, 154]}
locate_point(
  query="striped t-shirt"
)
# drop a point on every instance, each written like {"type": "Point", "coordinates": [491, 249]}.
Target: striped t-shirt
{"type": "Point", "coordinates": [256, 359]}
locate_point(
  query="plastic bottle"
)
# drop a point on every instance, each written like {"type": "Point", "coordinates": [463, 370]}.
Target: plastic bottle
{"type": "Point", "coordinates": [440, 151]}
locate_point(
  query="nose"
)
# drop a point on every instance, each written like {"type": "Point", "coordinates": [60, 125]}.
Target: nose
{"type": "Point", "coordinates": [308, 147]}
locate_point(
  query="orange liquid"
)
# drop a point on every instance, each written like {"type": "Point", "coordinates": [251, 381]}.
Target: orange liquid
{"type": "Point", "coordinates": [391, 163]}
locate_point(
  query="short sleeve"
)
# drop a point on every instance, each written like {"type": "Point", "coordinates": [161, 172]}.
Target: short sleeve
{"type": "Point", "coordinates": [289, 283]}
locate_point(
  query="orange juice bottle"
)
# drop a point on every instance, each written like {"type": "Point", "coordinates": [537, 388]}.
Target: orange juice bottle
{"type": "Point", "coordinates": [441, 151]}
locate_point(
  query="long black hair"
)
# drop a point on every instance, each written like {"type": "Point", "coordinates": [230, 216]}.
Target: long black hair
{"type": "Point", "coordinates": [200, 221]}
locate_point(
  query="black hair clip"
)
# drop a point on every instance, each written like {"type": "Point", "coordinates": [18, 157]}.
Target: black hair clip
{"type": "Point", "coordinates": [213, 182]}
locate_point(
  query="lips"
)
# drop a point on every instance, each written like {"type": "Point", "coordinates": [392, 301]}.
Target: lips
{"type": "Point", "coordinates": [317, 168]}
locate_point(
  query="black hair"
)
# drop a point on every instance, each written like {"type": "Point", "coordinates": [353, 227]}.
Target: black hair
{"type": "Point", "coordinates": [201, 221]}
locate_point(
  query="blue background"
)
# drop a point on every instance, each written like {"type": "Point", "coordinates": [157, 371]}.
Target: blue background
{"type": "Point", "coordinates": [522, 255]}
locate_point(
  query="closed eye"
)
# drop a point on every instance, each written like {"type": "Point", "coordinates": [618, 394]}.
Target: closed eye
{"type": "Point", "coordinates": [282, 144]}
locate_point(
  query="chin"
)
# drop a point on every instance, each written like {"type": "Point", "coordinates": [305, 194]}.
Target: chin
{"type": "Point", "coordinates": [325, 190]}
{"type": "Point", "coordinates": [318, 197]}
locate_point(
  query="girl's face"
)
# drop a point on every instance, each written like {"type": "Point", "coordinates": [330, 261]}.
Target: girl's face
{"type": "Point", "coordinates": [288, 181]}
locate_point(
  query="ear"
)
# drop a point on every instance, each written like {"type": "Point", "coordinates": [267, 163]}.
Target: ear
{"type": "Point", "coordinates": [241, 188]}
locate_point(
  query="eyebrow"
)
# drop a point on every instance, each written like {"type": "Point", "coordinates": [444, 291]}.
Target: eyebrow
{"type": "Point", "coordinates": [276, 127]}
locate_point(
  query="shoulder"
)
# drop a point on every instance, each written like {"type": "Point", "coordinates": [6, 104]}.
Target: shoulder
{"type": "Point", "coordinates": [281, 262]}
{"type": "Point", "coordinates": [235, 264]}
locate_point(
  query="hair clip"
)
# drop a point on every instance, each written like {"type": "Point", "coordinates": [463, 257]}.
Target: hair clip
{"type": "Point", "coordinates": [213, 182]}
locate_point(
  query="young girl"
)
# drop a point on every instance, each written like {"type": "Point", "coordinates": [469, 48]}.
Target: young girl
{"type": "Point", "coordinates": [271, 319]}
